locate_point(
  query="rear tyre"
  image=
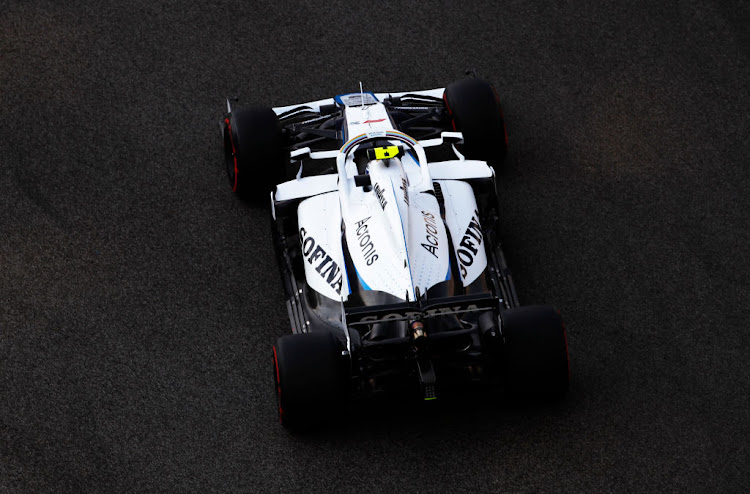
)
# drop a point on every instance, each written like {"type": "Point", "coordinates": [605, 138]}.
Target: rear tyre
{"type": "Point", "coordinates": [535, 352]}
{"type": "Point", "coordinates": [308, 379]}
{"type": "Point", "coordinates": [254, 153]}
{"type": "Point", "coordinates": [474, 109]}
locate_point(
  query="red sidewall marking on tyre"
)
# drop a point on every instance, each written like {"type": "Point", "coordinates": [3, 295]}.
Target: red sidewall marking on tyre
{"type": "Point", "coordinates": [502, 115]}
{"type": "Point", "coordinates": [234, 154]}
{"type": "Point", "coordinates": [450, 112]}
{"type": "Point", "coordinates": [567, 355]}
{"type": "Point", "coordinates": [278, 385]}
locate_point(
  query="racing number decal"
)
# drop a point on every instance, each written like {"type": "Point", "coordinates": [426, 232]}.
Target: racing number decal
{"type": "Point", "coordinates": [386, 153]}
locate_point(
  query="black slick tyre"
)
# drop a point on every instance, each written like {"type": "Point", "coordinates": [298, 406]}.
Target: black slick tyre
{"type": "Point", "coordinates": [308, 379]}
{"type": "Point", "coordinates": [535, 352]}
{"type": "Point", "coordinates": [254, 153]}
{"type": "Point", "coordinates": [474, 109]}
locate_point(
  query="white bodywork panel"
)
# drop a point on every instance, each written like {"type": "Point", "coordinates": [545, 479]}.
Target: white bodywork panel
{"type": "Point", "coordinates": [320, 241]}
{"type": "Point", "coordinates": [366, 119]}
{"type": "Point", "coordinates": [462, 218]}
{"type": "Point", "coordinates": [394, 233]}
{"type": "Point", "coordinates": [306, 187]}
{"type": "Point", "coordinates": [459, 170]}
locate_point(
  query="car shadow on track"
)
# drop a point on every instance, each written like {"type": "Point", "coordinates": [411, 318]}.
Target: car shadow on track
{"type": "Point", "coordinates": [459, 414]}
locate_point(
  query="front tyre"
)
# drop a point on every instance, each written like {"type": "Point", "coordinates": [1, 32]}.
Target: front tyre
{"type": "Point", "coordinates": [535, 352]}
{"type": "Point", "coordinates": [474, 110]}
{"type": "Point", "coordinates": [308, 379]}
{"type": "Point", "coordinates": [254, 152]}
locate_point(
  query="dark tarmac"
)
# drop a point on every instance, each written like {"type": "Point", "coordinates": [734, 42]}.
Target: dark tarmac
{"type": "Point", "coordinates": [139, 298]}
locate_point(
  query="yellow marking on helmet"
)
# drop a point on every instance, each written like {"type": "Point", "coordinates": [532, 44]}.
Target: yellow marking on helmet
{"type": "Point", "coordinates": [386, 153]}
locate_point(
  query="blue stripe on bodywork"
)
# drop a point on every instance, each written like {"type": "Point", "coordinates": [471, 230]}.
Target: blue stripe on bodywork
{"type": "Point", "coordinates": [338, 97]}
{"type": "Point", "coordinates": [414, 158]}
{"type": "Point", "coordinates": [361, 281]}
{"type": "Point", "coordinates": [346, 271]}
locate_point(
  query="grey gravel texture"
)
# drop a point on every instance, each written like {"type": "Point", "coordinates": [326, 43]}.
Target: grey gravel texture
{"type": "Point", "coordinates": [139, 299]}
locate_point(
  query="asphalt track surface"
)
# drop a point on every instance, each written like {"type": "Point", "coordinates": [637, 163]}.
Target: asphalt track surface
{"type": "Point", "coordinates": [139, 299]}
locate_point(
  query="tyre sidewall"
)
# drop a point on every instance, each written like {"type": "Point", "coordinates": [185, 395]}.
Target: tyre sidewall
{"type": "Point", "coordinates": [535, 352]}
{"type": "Point", "coordinates": [308, 379]}
{"type": "Point", "coordinates": [474, 109]}
{"type": "Point", "coordinates": [260, 156]}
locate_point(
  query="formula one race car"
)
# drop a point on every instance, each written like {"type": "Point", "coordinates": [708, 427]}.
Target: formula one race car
{"type": "Point", "coordinates": [385, 221]}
